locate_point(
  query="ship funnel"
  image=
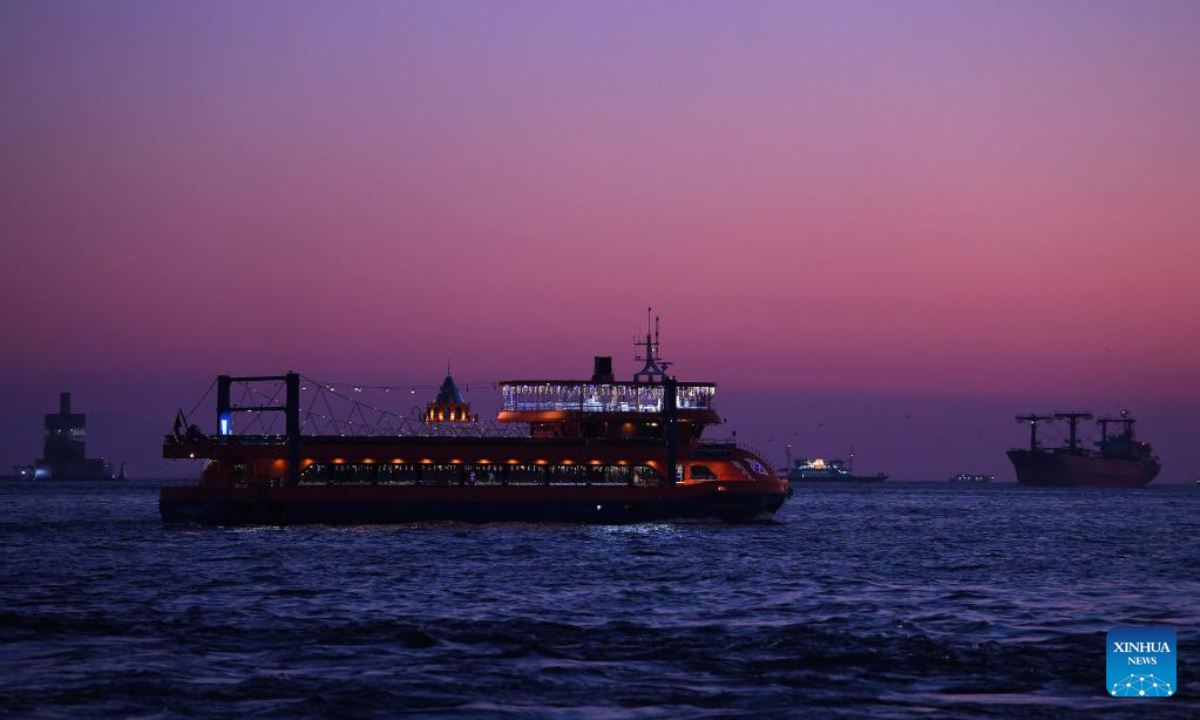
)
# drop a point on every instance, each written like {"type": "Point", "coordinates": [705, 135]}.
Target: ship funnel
{"type": "Point", "coordinates": [602, 371]}
{"type": "Point", "coordinates": [64, 403]}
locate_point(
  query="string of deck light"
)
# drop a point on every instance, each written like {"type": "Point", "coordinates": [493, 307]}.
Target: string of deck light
{"type": "Point", "coordinates": [412, 389]}
{"type": "Point", "coordinates": [258, 416]}
{"type": "Point", "coordinates": [405, 423]}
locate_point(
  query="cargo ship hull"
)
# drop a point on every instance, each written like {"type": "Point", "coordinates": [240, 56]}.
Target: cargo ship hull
{"type": "Point", "coordinates": [741, 501]}
{"type": "Point", "coordinates": [1065, 469]}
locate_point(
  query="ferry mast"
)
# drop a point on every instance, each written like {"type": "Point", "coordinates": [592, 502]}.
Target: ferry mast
{"type": "Point", "coordinates": [655, 369]}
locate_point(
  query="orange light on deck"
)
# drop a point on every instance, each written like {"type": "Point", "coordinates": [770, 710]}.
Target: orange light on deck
{"type": "Point", "coordinates": [456, 461]}
{"type": "Point", "coordinates": [568, 462]}
{"type": "Point", "coordinates": [306, 462]}
{"type": "Point", "coordinates": [426, 461]}
{"type": "Point", "coordinates": [485, 461]}
{"type": "Point", "coordinates": [542, 462]}
{"type": "Point", "coordinates": [594, 462]}
{"type": "Point", "coordinates": [622, 462]}
{"type": "Point", "coordinates": [397, 461]}
{"type": "Point", "coordinates": [368, 461]}
{"type": "Point", "coordinates": [513, 461]}
{"type": "Point", "coordinates": [339, 461]}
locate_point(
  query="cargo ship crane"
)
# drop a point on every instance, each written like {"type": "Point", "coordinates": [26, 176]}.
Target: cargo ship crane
{"type": "Point", "coordinates": [1073, 419]}
{"type": "Point", "coordinates": [1033, 421]}
{"type": "Point", "coordinates": [1124, 419]}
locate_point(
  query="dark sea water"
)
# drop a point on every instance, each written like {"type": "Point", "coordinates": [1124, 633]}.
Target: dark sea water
{"type": "Point", "coordinates": [894, 600]}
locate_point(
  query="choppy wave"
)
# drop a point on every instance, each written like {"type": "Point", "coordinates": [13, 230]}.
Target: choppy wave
{"type": "Point", "coordinates": [889, 601]}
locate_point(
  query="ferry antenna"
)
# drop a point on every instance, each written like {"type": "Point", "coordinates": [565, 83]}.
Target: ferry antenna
{"type": "Point", "coordinates": [655, 368]}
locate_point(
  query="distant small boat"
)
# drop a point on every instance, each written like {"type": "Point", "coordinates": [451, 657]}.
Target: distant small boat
{"type": "Point", "coordinates": [972, 478]}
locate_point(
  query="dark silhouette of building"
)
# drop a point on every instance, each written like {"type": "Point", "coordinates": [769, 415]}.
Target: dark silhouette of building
{"type": "Point", "coordinates": [63, 456]}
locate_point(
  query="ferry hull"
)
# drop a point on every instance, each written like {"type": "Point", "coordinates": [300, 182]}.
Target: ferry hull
{"type": "Point", "coordinates": [732, 502]}
{"type": "Point", "coordinates": [1055, 469]}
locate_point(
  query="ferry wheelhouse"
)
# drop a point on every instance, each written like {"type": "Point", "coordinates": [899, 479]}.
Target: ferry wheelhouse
{"type": "Point", "coordinates": [599, 450]}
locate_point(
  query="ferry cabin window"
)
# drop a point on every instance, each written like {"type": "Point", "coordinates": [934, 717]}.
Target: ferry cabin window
{"type": "Point", "coordinates": [398, 474]}
{"type": "Point", "coordinates": [314, 473]}
{"type": "Point", "coordinates": [579, 474]}
{"type": "Point", "coordinates": [352, 474]}
{"type": "Point", "coordinates": [612, 475]}
{"type": "Point", "coordinates": [527, 474]}
{"type": "Point", "coordinates": [645, 475]}
{"type": "Point", "coordinates": [440, 474]}
{"type": "Point", "coordinates": [339, 474]}
{"type": "Point", "coordinates": [450, 474]}
{"type": "Point", "coordinates": [568, 474]}
{"type": "Point", "coordinates": [483, 474]}
{"type": "Point", "coordinates": [703, 472]}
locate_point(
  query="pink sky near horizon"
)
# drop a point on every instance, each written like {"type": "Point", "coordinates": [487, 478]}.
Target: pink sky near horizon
{"type": "Point", "coordinates": [959, 199]}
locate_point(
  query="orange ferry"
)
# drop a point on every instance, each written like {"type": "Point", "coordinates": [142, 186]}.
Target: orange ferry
{"type": "Point", "coordinates": [598, 450]}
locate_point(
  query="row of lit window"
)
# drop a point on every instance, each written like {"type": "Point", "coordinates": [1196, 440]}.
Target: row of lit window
{"type": "Point", "coordinates": [75, 433]}
{"type": "Point", "coordinates": [602, 398]}
{"type": "Point", "coordinates": [458, 461]}
{"type": "Point", "coordinates": [476, 474]}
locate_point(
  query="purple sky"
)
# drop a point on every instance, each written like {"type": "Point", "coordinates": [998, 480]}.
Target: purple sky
{"type": "Point", "coordinates": [892, 225]}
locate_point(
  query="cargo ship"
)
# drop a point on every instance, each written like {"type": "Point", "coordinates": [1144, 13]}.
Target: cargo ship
{"type": "Point", "coordinates": [597, 451]}
{"type": "Point", "coordinates": [1120, 460]}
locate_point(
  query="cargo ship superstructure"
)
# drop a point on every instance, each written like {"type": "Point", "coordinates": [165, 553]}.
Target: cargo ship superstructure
{"type": "Point", "coordinates": [598, 450]}
{"type": "Point", "coordinates": [1120, 459]}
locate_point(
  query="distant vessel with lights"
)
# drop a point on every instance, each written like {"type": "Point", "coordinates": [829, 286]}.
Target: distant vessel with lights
{"type": "Point", "coordinates": [819, 470]}
{"type": "Point", "coordinates": [64, 451]}
{"type": "Point", "coordinates": [597, 450]}
{"type": "Point", "coordinates": [973, 478]}
{"type": "Point", "coordinates": [1120, 460]}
